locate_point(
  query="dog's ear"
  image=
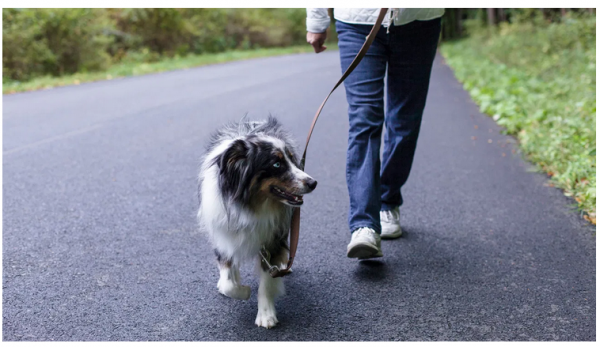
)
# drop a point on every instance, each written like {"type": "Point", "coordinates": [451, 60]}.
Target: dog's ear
{"type": "Point", "coordinates": [234, 170]}
{"type": "Point", "coordinates": [237, 151]}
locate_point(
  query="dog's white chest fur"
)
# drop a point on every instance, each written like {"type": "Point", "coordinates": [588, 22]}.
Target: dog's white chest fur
{"type": "Point", "coordinates": [237, 232]}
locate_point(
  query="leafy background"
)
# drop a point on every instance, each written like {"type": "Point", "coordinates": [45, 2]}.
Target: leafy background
{"type": "Point", "coordinates": [57, 42]}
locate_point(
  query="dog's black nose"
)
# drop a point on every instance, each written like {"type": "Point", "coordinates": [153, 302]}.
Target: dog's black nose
{"type": "Point", "coordinates": [312, 184]}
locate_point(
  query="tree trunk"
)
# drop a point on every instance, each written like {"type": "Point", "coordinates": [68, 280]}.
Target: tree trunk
{"type": "Point", "coordinates": [563, 12]}
{"type": "Point", "coordinates": [501, 15]}
{"type": "Point", "coordinates": [491, 16]}
{"type": "Point", "coordinates": [449, 24]}
{"type": "Point", "coordinates": [459, 21]}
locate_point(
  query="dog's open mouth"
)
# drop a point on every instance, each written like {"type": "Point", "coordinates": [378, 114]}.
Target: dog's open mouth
{"type": "Point", "coordinates": [292, 199]}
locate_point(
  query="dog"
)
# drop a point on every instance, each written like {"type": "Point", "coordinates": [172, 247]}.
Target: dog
{"type": "Point", "coordinates": [249, 184]}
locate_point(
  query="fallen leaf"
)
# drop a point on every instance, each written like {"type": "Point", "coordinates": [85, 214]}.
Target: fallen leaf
{"type": "Point", "coordinates": [590, 219]}
{"type": "Point", "coordinates": [473, 138]}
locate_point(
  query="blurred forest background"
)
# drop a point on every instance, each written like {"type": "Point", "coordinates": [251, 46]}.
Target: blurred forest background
{"type": "Point", "coordinates": [39, 42]}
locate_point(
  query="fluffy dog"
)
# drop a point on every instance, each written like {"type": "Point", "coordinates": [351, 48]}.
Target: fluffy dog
{"type": "Point", "coordinates": [249, 183]}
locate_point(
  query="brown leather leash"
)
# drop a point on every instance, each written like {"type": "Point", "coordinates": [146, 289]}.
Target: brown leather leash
{"type": "Point", "coordinates": [274, 270]}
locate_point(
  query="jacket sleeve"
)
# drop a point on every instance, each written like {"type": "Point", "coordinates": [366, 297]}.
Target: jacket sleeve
{"type": "Point", "coordinates": [317, 20]}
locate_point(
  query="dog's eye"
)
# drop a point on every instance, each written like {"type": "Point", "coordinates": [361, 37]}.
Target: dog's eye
{"type": "Point", "coordinates": [277, 165]}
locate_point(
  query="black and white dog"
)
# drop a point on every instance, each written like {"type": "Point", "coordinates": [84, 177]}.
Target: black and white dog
{"type": "Point", "coordinates": [249, 183]}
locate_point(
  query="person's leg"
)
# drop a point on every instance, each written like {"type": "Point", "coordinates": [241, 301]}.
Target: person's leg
{"type": "Point", "coordinates": [364, 92]}
{"type": "Point", "coordinates": [412, 50]}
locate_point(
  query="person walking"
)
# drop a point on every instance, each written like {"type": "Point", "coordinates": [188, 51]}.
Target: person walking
{"type": "Point", "coordinates": [405, 46]}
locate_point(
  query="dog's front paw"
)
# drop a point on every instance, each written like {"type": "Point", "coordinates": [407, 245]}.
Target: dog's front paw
{"type": "Point", "coordinates": [266, 319]}
{"type": "Point", "coordinates": [233, 291]}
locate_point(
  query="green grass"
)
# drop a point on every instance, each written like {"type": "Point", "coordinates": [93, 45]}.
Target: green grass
{"type": "Point", "coordinates": [539, 82]}
{"type": "Point", "coordinates": [137, 68]}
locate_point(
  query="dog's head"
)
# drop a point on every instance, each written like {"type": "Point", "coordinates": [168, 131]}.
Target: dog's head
{"type": "Point", "coordinates": [259, 167]}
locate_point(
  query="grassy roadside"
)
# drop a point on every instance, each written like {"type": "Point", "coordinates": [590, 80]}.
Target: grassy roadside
{"type": "Point", "coordinates": [541, 87]}
{"type": "Point", "coordinates": [136, 69]}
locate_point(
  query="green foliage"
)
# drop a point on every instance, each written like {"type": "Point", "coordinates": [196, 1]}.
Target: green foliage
{"type": "Point", "coordinates": [138, 65]}
{"type": "Point", "coordinates": [57, 42]}
{"type": "Point", "coordinates": [538, 80]}
{"type": "Point", "coordinates": [53, 41]}
{"type": "Point", "coordinates": [267, 27]}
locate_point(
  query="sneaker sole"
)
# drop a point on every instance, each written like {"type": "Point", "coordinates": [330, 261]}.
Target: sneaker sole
{"type": "Point", "coordinates": [394, 233]}
{"type": "Point", "coordinates": [364, 251]}
{"type": "Point", "coordinates": [391, 235]}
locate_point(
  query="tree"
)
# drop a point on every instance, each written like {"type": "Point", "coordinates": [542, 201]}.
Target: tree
{"type": "Point", "coordinates": [491, 15]}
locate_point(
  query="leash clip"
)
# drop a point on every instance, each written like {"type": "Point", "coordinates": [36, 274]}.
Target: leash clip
{"type": "Point", "coordinates": [265, 262]}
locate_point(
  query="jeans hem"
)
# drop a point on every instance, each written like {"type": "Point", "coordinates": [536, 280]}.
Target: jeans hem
{"type": "Point", "coordinates": [353, 229]}
{"type": "Point", "coordinates": [388, 207]}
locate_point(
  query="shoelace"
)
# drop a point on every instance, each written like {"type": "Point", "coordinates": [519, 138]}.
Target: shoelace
{"type": "Point", "coordinates": [361, 231]}
{"type": "Point", "coordinates": [389, 215]}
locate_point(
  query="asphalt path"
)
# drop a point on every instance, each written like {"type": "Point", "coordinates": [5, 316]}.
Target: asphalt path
{"type": "Point", "coordinates": [100, 240]}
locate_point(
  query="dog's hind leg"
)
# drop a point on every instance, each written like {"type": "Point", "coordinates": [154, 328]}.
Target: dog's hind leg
{"type": "Point", "coordinates": [269, 289]}
{"type": "Point", "coordinates": [229, 281]}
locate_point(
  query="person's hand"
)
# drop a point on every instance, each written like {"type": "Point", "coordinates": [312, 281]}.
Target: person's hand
{"type": "Point", "coordinates": [317, 40]}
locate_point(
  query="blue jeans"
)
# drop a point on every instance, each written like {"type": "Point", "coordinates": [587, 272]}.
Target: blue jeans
{"type": "Point", "coordinates": [408, 52]}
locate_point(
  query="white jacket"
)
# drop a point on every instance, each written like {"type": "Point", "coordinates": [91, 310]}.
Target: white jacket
{"type": "Point", "coordinates": [317, 19]}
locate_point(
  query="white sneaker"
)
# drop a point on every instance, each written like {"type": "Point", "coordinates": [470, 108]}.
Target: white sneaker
{"type": "Point", "coordinates": [390, 224]}
{"type": "Point", "coordinates": [365, 244]}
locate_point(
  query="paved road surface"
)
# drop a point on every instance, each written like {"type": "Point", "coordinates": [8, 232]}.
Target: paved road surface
{"type": "Point", "coordinates": [100, 240]}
